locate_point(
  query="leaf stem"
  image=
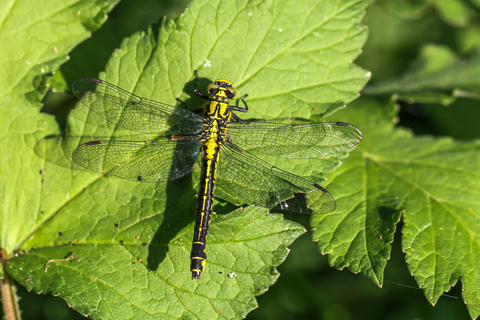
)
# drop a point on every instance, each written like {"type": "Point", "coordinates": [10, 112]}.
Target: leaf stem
{"type": "Point", "coordinates": [9, 294]}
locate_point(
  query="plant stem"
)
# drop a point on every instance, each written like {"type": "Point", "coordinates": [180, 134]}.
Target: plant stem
{"type": "Point", "coordinates": [9, 296]}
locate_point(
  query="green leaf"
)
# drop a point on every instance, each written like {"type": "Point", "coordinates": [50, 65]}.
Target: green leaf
{"type": "Point", "coordinates": [455, 12]}
{"type": "Point", "coordinates": [118, 249]}
{"type": "Point", "coordinates": [433, 182]}
{"type": "Point", "coordinates": [35, 40]}
{"type": "Point", "coordinates": [406, 9]}
{"type": "Point", "coordinates": [105, 280]}
{"type": "Point", "coordinates": [437, 76]}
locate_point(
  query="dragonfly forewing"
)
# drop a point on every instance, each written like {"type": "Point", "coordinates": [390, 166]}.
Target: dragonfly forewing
{"type": "Point", "coordinates": [132, 112]}
{"type": "Point", "coordinates": [295, 141]}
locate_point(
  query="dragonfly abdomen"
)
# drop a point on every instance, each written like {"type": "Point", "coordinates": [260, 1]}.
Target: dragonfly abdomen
{"type": "Point", "coordinates": [206, 194]}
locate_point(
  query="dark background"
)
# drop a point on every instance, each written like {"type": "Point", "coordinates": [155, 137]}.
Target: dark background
{"type": "Point", "coordinates": [307, 288]}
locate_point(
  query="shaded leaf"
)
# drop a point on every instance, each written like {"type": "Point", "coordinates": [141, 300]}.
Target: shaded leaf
{"type": "Point", "coordinates": [455, 12]}
{"type": "Point", "coordinates": [437, 76]}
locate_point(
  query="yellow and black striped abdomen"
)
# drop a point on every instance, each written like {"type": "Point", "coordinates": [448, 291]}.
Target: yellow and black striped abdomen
{"type": "Point", "coordinates": [204, 210]}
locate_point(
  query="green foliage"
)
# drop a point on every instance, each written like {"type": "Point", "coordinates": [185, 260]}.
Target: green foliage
{"type": "Point", "coordinates": [105, 280]}
{"type": "Point", "coordinates": [437, 76]}
{"type": "Point", "coordinates": [455, 12]}
{"type": "Point", "coordinates": [432, 181]}
{"type": "Point", "coordinates": [118, 249]}
{"type": "Point", "coordinates": [31, 49]}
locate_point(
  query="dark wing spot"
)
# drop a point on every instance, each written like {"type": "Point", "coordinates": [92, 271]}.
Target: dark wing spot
{"type": "Point", "coordinates": [95, 80]}
{"type": "Point", "coordinates": [320, 188]}
{"type": "Point", "coordinates": [91, 143]}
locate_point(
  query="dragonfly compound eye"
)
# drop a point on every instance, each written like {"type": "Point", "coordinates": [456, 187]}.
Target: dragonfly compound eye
{"type": "Point", "coordinates": [212, 88]}
{"type": "Point", "coordinates": [231, 93]}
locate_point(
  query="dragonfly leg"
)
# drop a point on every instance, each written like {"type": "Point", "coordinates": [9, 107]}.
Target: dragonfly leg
{"type": "Point", "coordinates": [200, 94]}
{"type": "Point", "coordinates": [234, 116]}
{"type": "Point", "coordinates": [237, 108]}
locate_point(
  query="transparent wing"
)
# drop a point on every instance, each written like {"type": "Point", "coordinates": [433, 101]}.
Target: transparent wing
{"type": "Point", "coordinates": [295, 141]}
{"type": "Point", "coordinates": [259, 183]}
{"type": "Point", "coordinates": [132, 112]}
{"type": "Point", "coordinates": [145, 161]}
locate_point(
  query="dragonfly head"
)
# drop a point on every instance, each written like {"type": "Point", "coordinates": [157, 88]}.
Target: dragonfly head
{"type": "Point", "coordinates": [222, 85]}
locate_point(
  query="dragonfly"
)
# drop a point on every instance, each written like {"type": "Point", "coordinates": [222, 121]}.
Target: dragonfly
{"type": "Point", "coordinates": [221, 138]}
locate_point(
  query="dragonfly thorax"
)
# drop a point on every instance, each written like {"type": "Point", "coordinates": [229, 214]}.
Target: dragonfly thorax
{"type": "Point", "coordinates": [217, 115]}
{"type": "Point", "coordinates": [220, 92]}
